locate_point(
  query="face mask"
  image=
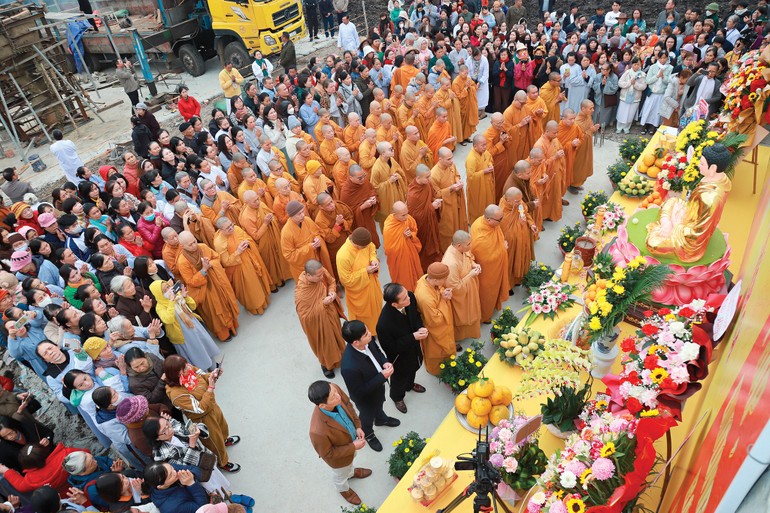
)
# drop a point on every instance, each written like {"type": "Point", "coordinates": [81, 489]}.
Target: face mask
{"type": "Point", "coordinates": [709, 13]}
{"type": "Point", "coordinates": [23, 247]}
{"type": "Point", "coordinates": [290, 110]}
{"type": "Point", "coordinates": [44, 302]}
{"type": "Point", "coordinates": [150, 217]}
{"type": "Point", "coordinates": [77, 230]}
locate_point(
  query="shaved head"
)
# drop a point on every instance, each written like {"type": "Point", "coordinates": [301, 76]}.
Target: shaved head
{"type": "Point", "coordinates": [461, 237]}
{"type": "Point", "coordinates": [444, 152]}
{"type": "Point", "coordinates": [492, 211]}
{"type": "Point", "coordinates": [522, 166]}
{"type": "Point", "coordinates": [536, 153]}
{"type": "Point", "coordinates": [520, 96]}
{"type": "Point", "coordinates": [311, 266]}
{"type": "Point", "coordinates": [186, 238]}
{"type": "Point", "coordinates": [513, 194]}
{"type": "Point", "coordinates": [399, 207]}
{"type": "Point", "coordinates": [422, 170]}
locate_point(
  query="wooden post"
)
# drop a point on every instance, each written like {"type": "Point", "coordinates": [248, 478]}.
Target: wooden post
{"type": "Point", "coordinates": [11, 130]}
{"type": "Point", "coordinates": [31, 108]}
{"type": "Point", "coordinates": [53, 88]}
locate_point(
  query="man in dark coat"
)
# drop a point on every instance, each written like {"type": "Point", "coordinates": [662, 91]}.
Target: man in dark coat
{"type": "Point", "coordinates": [141, 136]}
{"type": "Point", "coordinates": [311, 18]}
{"type": "Point", "coordinates": [365, 370]}
{"type": "Point", "coordinates": [148, 119]}
{"type": "Point", "coordinates": [288, 56]}
{"type": "Point", "coordinates": [400, 330]}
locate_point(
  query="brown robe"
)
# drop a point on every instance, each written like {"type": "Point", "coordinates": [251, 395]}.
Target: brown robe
{"type": "Point", "coordinates": [516, 227]}
{"type": "Point", "coordinates": [320, 322]}
{"type": "Point", "coordinates": [584, 158]}
{"type": "Point", "coordinates": [488, 246]}
{"type": "Point", "coordinates": [454, 215]}
{"type": "Point", "coordinates": [354, 195]}
{"type": "Point", "coordinates": [419, 199]}
{"type": "Point", "coordinates": [247, 272]}
{"type": "Point", "coordinates": [268, 239]}
{"type": "Point", "coordinates": [335, 236]}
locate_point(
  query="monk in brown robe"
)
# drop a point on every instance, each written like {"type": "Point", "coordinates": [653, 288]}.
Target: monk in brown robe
{"type": "Point", "coordinates": [373, 119]}
{"type": "Point", "coordinates": [491, 251]}
{"type": "Point", "coordinates": [342, 167]}
{"type": "Point", "coordinates": [216, 203]}
{"type": "Point", "coordinates": [260, 223]}
{"type": "Point", "coordinates": [387, 132]}
{"type": "Point", "coordinates": [316, 183]}
{"type": "Point", "coordinates": [388, 180]}
{"type": "Point", "coordinates": [538, 180]}
{"type": "Point", "coordinates": [463, 279]}
{"type": "Point", "coordinates": [554, 162]}
{"type": "Point", "coordinates": [367, 150]}
{"type": "Point", "coordinates": [424, 201]}
{"type": "Point", "coordinates": [518, 228]}
{"type": "Point", "coordinates": [402, 246]}
{"type": "Point", "coordinates": [454, 214]}
{"type": "Point", "coordinates": [234, 173]}
{"type": "Point", "coordinates": [303, 156]}
{"type": "Point", "coordinates": [414, 152]}
{"type": "Point", "coordinates": [282, 199]}
{"type": "Point", "coordinates": [440, 133]}
{"type": "Point", "coordinates": [359, 268]}
{"type": "Point", "coordinates": [353, 134]}
{"type": "Point", "coordinates": [570, 137]}
{"type": "Point", "coordinates": [551, 94]}
{"type": "Point", "coordinates": [199, 225]}
{"type": "Point", "coordinates": [358, 194]}
{"type": "Point", "coordinates": [480, 172]}
{"type": "Point", "coordinates": [516, 126]}
{"type": "Point", "coordinates": [301, 240]}
{"type": "Point", "coordinates": [206, 281]}
{"type": "Point", "coordinates": [335, 220]}
{"type": "Point", "coordinates": [519, 178]}
{"type": "Point", "coordinates": [319, 311]}
{"type": "Point", "coordinates": [537, 110]}
{"type": "Point", "coordinates": [434, 304]}
{"type": "Point", "coordinates": [276, 173]}
{"type": "Point", "coordinates": [447, 99]}
{"type": "Point", "coordinates": [406, 115]}
{"type": "Point", "coordinates": [171, 248]}
{"type": "Point", "coordinates": [252, 182]}
{"type": "Point", "coordinates": [243, 266]}
{"type": "Point", "coordinates": [466, 92]}
{"type": "Point", "coordinates": [584, 158]}
{"type": "Point", "coordinates": [498, 142]}
{"type": "Point", "coordinates": [426, 111]}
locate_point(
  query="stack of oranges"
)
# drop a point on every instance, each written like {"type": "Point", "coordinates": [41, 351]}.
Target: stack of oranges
{"type": "Point", "coordinates": [589, 296]}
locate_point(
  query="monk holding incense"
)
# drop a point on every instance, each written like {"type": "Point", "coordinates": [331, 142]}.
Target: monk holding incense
{"type": "Point", "coordinates": [434, 303]}
{"type": "Point", "coordinates": [359, 269]}
{"type": "Point", "coordinates": [518, 227]}
{"type": "Point", "coordinates": [446, 179]}
{"type": "Point", "coordinates": [424, 202]}
{"type": "Point", "coordinates": [480, 172]}
{"type": "Point", "coordinates": [301, 240]}
{"type": "Point", "coordinates": [359, 194]}
{"type": "Point", "coordinates": [463, 279]}
{"type": "Point", "coordinates": [260, 223]}
{"type": "Point", "coordinates": [335, 220]}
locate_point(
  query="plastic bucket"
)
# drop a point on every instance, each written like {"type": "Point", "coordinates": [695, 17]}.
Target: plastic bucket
{"type": "Point", "coordinates": [37, 163]}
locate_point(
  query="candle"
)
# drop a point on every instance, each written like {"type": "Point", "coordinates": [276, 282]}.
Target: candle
{"type": "Point", "coordinates": [599, 218]}
{"type": "Point", "coordinates": [566, 267]}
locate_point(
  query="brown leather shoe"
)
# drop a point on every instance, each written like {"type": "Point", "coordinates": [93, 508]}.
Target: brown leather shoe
{"type": "Point", "coordinates": [401, 406]}
{"type": "Point", "coordinates": [418, 388]}
{"type": "Point", "coordinates": [361, 473]}
{"type": "Point", "coordinates": [351, 496]}
{"type": "Point", "coordinates": [565, 202]}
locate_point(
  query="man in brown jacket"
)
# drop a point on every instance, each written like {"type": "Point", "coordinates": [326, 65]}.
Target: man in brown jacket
{"type": "Point", "coordinates": [336, 435]}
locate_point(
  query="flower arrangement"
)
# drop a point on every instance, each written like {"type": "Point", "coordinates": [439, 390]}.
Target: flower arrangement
{"type": "Point", "coordinates": [603, 266]}
{"type": "Point", "coordinates": [608, 300]}
{"type": "Point", "coordinates": [632, 147]}
{"type": "Point", "coordinates": [548, 300]}
{"type": "Point", "coordinates": [518, 458]}
{"type": "Point", "coordinates": [568, 236]}
{"type": "Point", "coordinates": [361, 508]}
{"type": "Point", "coordinates": [591, 201]}
{"type": "Point", "coordinates": [671, 177]}
{"type": "Point", "coordinates": [406, 450]}
{"type": "Point", "coordinates": [503, 324]}
{"type": "Point", "coordinates": [614, 216]}
{"type": "Point", "coordinates": [663, 362]}
{"type": "Point", "coordinates": [595, 407]}
{"type": "Point", "coordinates": [566, 405]}
{"type": "Point", "coordinates": [747, 89]}
{"type": "Point", "coordinates": [617, 171]}
{"type": "Point", "coordinates": [538, 274]}
{"type": "Point", "coordinates": [460, 371]}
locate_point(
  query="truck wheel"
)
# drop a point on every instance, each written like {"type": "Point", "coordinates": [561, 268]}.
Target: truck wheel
{"type": "Point", "coordinates": [236, 53]}
{"type": "Point", "coordinates": [191, 60]}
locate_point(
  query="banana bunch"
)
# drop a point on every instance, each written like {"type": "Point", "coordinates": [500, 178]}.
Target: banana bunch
{"type": "Point", "coordinates": [520, 345]}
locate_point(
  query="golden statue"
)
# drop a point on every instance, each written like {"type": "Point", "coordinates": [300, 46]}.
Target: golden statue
{"type": "Point", "coordinates": [684, 228]}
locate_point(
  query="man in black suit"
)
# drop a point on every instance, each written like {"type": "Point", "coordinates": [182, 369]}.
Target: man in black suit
{"type": "Point", "coordinates": [365, 370]}
{"type": "Point", "coordinates": [400, 330]}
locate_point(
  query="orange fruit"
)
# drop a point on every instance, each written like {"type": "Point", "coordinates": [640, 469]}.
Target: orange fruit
{"type": "Point", "coordinates": [471, 391]}
{"type": "Point", "coordinates": [507, 394]}
{"type": "Point", "coordinates": [499, 413]}
{"type": "Point", "coordinates": [655, 195]}
{"type": "Point", "coordinates": [484, 387]}
{"type": "Point", "coordinates": [462, 403]}
{"type": "Point", "coordinates": [653, 172]}
{"type": "Point", "coordinates": [591, 295]}
{"type": "Point", "coordinates": [642, 167]}
{"type": "Point", "coordinates": [649, 159]}
{"type": "Point", "coordinates": [481, 406]}
{"type": "Point", "coordinates": [658, 162]}
{"type": "Point", "coordinates": [477, 421]}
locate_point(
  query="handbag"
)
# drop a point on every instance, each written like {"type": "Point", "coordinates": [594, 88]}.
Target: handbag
{"type": "Point", "coordinates": [610, 100]}
{"type": "Point", "coordinates": [206, 463]}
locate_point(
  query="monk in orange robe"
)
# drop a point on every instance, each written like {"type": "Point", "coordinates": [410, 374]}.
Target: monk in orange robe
{"type": "Point", "coordinates": [267, 146]}
{"type": "Point", "coordinates": [234, 173]}
{"type": "Point", "coordinates": [406, 72]}
{"type": "Point", "coordinates": [243, 266]}
{"type": "Point", "coordinates": [426, 111]}
{"type": "Point", "coordinates": [358, 193]}
{"type": "Point", "coordinates": [252, 182]}
{"type": "Point", "coordinates": [491, 251]}
{"type": "Point", "coordinates": [388, 180]}
{"type": "Point", "coordinates": [327, 146]}
{"type": "Point", "coordinates": [303, 156]}
{"type": "Point", "coordinates": [353, 134]}
{"type": "Point", "coordinates": [261, 224]}
{"type": "Point", "coordinates": [282, 199]}
{"type": "Point", "coordinates": [538, 111]}
{"type": "Point", "coordinates": [367, 150]}
{"type": "Point", "coordinates": [373, 119]}
{"type": "Point", "coordinates": [379, 96]}
{"type": "Point", "coordinates": [570, 137]}
{"type": "Point", "coordinates": [199, 225]}
{"type": "Point", "coordinates": [584, 158]}
{"type": "Point", "coordinates": [434, 304]}
{"type": "Point", "coordinates": [277, 172]}
{"type": "Point", "coordinates": [414, 152]}
{"type": "Point", "coordinates": [342, 167]}
{"type": "Point", "coordinates": [406, 115]}
{"type": "Point", "coordinates": [324, 119]}
{"type": "Point", "coordinates": [480, 172]}
{"type": "Point", "coordinates": [315, 184]}
{"type": "Point", "coordinates": [319, 311]}
{"type": "Point", "coordinates": [498, 142]}
{"type": "Point", "coordinates": [402, 246]}
{"type": "Point", "coordinates": [396, 99]}
{"type": "Point", "coordinates": [454, 215]}
{"type": "Point", "coordinates": [335, 220]}
{"type": "Point", "coordinates": [171, 248]}
{"type": "Point", "coordinates": [200, 270]}
{"type": "Point", "coordinates": [388, 132]}
{"type": "Point", "coordinates": [464, 281]}
{"type": "Point", "coordinates": [551, 94]}
{"type": "Point", "coordinates": [359, 267]}
{"type": "Point", "coordinates": [538, 180]}
{"type": "Point", "coordinates": [516, 121]}
{"type": "Point", "coordinates": [216, 203]}
{"type": "Point", "coordinates": [440, 133]}
{"type": "Point", "coordinates": [301, 241]}
{"type": "Point", "coordinates": [554, 161]}
{"type": "Point", "coordinates": [447, 99]}
{"type": "Point", "coordinates": [424, 201]}
{"type": "Point", "coordinates": [518, 227]}
{"type": "Point", "coordinates": [466, 92]}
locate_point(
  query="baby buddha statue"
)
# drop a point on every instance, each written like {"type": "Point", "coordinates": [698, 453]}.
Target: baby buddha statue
{"type": "Point", "coordinates": [684, 227]}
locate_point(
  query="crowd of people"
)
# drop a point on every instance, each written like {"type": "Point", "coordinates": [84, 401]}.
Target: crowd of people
{"type": "Point", "coordinates": [114, 291]}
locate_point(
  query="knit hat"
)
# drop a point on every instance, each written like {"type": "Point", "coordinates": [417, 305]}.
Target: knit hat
{"type": "Point", "coordinates": [75, 462]}
{"type": "Point", "coordinates": [94, 346]}
{"type": "Point", "coordinates": [438, 271]}
{"type": "Point", "coordinates": [713, 7]}
{"type": "Point", "coordinates": [15, 237]}
{"type": "Point", "coordinates": [18, 208]}
{"type": "Point", "coordinates": [213, 508]}
{"type": "Point", "coordinates": [20, 259]}
{"type": "Point", "coordinates": [312, 166]}
{"type": "Point", "coordinates": [361, 237]}
{"type": "Point", "coordinates": [132, 409]}
{"type": "Point", "coordinates": [293, 122]}
{"type": "Point", "coordinates": [141, 105]}
{"type": "Point", "coordinates": [294, 207]}
{"type": "Point", "coordinates": [24, 230]}
{"type": "Point", "coordinates": [45, 220]}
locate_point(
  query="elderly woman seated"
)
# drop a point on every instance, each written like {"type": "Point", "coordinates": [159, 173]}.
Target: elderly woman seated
{"type": "Point", "coordinates": [124, 335]}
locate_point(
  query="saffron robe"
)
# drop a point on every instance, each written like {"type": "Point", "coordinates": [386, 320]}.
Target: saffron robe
{"type": "Point", "coordinates": [419, 199]}
{"type": "Point", "coordinates": [328, 150]}
{"type": "Point", "coordinates": [551, 203]}
{"type": "Point", "coordinates": [437, 134]}
{"type": "Point", "coordinates": [538, 191]}
{"type": "Point", "coordinates": [293, 183]}
{"type": "Point", "coordinates": [402, 253]}
{"type": "Point", "coordinates": [313, 186]}
{"type": "Point", "coordinates": [367, 156]}
{"type": "Point", "coordinates": [467, 94]}
{"type": "Point", "coordinates": [170, 254]}
{"type": "Point", "coordinates": [388, 192]}
{"type": "Point", "coordinates": [353, 137]}
{"type": "Point", "coordinates": [454, 215]}
{"type": "Point", "coordinates": [549, 93]}
{"type": "Point", "coordinates": [318, 130]}
{"type": "Point", "coordinates": [296, 249]}
{"type": "Point", "coordinates": [247, 272]}
{"type": "Point", "coordinates": [406, 116]}
{"type": "Point", "coordinates": [466, 304]}
{"type": "Point", "coordinates": [566, 135]}
{"type": "Point", "coordinates": [354, 195]}
{"type": "Point", "coordinates": [334, 235]}
{"type": "Point", "coordinates": [393, 136]}
{"type": "Point", "coordinates": [499, 152]}
{"type": "Point", "coordinates": [426, 115]}
{"type": "Point", "coordinates": [516, 227]}
{"type": "Point", "coordinates": [481, 185]}
{"type": "Point", "coordinates": [584, 158]}
{"type": "Point", "coordinates": [212, 212]}
{"type": "Point", "coordinates": [320, 322]}
{"type": "Point", "coordinates": [363, 293]}
{"type": "Point", "coordinates": [268, 239]}
{"type": "Point", "coordinates": [536, 127]}
{"type": "Point", "coordinates": [267, 196]}
{"type": "Point", "coordinates": [341, 172]}
{"type": "Point", "coordinates": [300, 166]}
{"type": "Point", "coordinates": [436, 313]}
{"type": "Point", "coordinates": [488, 246]}
{"type": "Point", "coordinates": [446, 99]}
{"type": "Point", "coordinates": [518, 143]}
{"type": "Point", "coordinates": [279, 206]}
{"type": "Point", "coordinates": [410, 158]}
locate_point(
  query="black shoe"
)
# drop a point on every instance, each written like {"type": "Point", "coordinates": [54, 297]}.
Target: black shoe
{"type": "Point", "coordinates": [400, 406]}
{"type": "Point", "coordinates": [327, 372]}
{"type": "Point", "coordinates": [390, 422]}
{"type": "Point", "coordinates": [418, 388]}
{"type": "Point", "coordinates": [458, 348]}
{"type": "Point", "coordinates": [231, 467]}
{"type": "Point", "coordinates": [374, 443]}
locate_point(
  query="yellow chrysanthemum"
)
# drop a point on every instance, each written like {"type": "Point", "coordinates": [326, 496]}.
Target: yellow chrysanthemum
{"type": "Point", "coordinates": [576, 505]}
{"type": "Point", "coordinates": [618, 289]}
{"type": "Point", "coordinates": [608, 450]}
{"type": "Point", "coordinates": [453, 364]}
{"type": "Point", "coordinates": [619, 274]}
{"type": "Point", "coordinates": [470, 360]}
{"type": "Point", "coordinates": [657, 347]}
{"type": "Point", "coordinates": [658, 375]}
{"type": "Point", "coordinates": [406, 449]}
{"type": "Point", "coordinates": [461, 382]}
{"type": "Point", "coordinates": [601, 405]}
{"type": "Point", "coordinates": [595, 324]}
{"type": "Point", "coordinates": [594, 308]}
{"type": "Point", "coordinates": [452, 357]}
{"type": "Point", "coordinates": [478, 364]}
{"type": "Point", "coordinates": [650, 413]}
{"type": "Point", "coordinates": [585, 475]}
{"type": "Point", "coordinates": [670, 317]}
{"type": "Point", "coordinates": [442, 366]}
{"type": "Point", "coordinates": [408, 463]}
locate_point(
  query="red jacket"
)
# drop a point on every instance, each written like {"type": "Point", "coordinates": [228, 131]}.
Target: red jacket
{"type": "Point", "coordinates": [52, 474]}
{"type": "Point", "coordinates": [189, 107]}
{"type": "Point", "coordinates": [144, 250]}
{"type": "Point", "coordinates": [150, 232]}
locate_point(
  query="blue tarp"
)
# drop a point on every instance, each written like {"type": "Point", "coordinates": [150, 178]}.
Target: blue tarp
{"type": "Point", "coordinates": [75, 31]}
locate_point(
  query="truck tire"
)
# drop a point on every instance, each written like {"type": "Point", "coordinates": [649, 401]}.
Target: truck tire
{"type": "Point", "coordinates": [236, 53]}
{"type": "Point", "coordinates": [192, 60]}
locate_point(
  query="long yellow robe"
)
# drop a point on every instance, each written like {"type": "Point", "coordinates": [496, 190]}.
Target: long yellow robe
{"type": "Point", "coordinates": [467, 94]}
{"type": "Point", "coordinates": [212, 293]}
{"type": "Point", "coordinates": [550, 95]}
{"type": "Point", "coordinates": [517, 147]}
{"type": "Point", "coordinates": [481, 185]}
{"type": "Point", "coordinates": [499, 152]}
{"type": "Point", "coordinates": [551, 203]}
{"type": "Point", "coordinates": [454, 215]}
{"type": "Point", "coordinates": [267, 198]}
{"type": "Point", "coordinates": [296, 249]}
{"type": "Point", "coordinates": [388, 192]}
{"type": "Point", "coordinates": [516, 227]}
{"type": "Point", "coordinates": [452, 105]}
{"type": "Point", "coordinates": [488, 246]}
{"type": "Point", "coordinates": [410, 158]}
{"type": "Point", "coordinates": [328, 150]}
{"type": "Point", "coordinates": [438, 133]}
{"type": "Point", "coordinates": [318, 130]}
{"type": "Point", "coordinates": [279, 206]}
{"type": "Point", "coordinates": [247, 272]}
{"type": "Point", "coordinates": [367, 155]}
{"type": "Point", "coordinates": [320, 322]}
{"type": "Point", "coordinates": [584, 158]}
{"type": "Point", "coordinates": [406, 116]}
{"type": "Point", "coordinates": [170, 254]}
{"type": "Point", "coordinates": [566, 136]}
{"type": "Point", "coordinates": [334, 235]}
{"type": "Point", "coordinates": [388, 135]}
{"type": "Point", "coordinates": [436, 315]}
{"type": "Point", "coordinates": [312, 187]}
{"type": "Point", "coordinates": [373, 121]}
{"type": "Point", "coordinates": [536, 127]}
{"type": "Point", "coordinates": [538, 191]}
{"type": "Point", "coordinates": [352, 137]}
{"type": "Point", "coordinates": [466, 305]}
{"type": "Point", "coordinates": [426, 115]}
{"type": "Point", "coordinates": [268, 239]}
{"type": "Point", "coordinates": [232, 213]}
{"type": "Point", "coordinates": [363, 294]}
{"type": "Point", "coordinates": [402, 253]}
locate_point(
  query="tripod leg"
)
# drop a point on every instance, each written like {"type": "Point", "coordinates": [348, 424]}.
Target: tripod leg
{"type": "Point", "coordinates": [497, 500]}
{"type": "Point", "coordinates": [455, 502]}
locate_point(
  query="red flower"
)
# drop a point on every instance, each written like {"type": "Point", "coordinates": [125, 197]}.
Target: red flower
{"type": "Point", "coordinates": [745, 103]}
{"type": "Point", "coordinates": [671, 175]}
{"type": "Point", "coordinates": [633, 378]}
{"type": "Point", "coordinates": [686, 312]}
{"type": "Point", "coordinates": [683, 159]}
{"type": "Point", "coordinates": [648, 313]}
{"type": "Point", "coordinates": [667, 384]}
{"type": "Point", "coordinates": [650, 329]}
{"type": "Point", "coordinates": [628, 345]}
{"type": "Point", "coordinates": [651, 362]}
{"type": "Point", "coordinates": [633, 405]}
{"type": "Point", "coordinates": [664, 311]}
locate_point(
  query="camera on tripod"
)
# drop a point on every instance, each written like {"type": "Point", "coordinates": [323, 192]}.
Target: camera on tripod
{"type": "Point", "coordinates": [486, 477]}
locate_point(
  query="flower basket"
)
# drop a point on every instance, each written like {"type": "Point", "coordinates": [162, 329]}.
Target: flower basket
{"type": "Point", "coordinates": [569, 234]}
{"type": "Point", "coordinates": [592, 201]}
{"type": "Point", "coordinates": [514, 451]}
{"type": "Point", "coordinates": [459, 371]}
{"type": "Point", "coordinates": [405, 451]}
{"type": "Point", "coordinates": [548, 300]}
{"type": "Point", "coordinates": [503, 323]}
{"type": "Point", "coordinates": [538, 274]}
